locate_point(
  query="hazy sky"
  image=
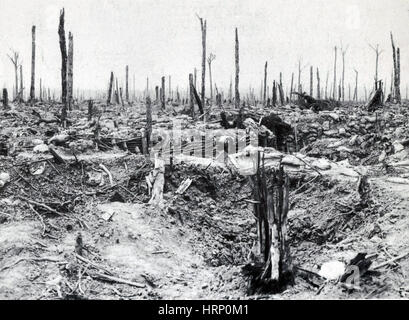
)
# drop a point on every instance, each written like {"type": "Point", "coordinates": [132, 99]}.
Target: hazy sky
{"type": "Point", "coordinates": [159, 37]}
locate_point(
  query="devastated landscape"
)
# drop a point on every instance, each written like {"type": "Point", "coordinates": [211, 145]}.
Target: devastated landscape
{"type": "Point", "coordinates": [192, 195]}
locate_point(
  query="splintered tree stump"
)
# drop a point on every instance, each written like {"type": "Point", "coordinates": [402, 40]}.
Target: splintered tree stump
{"type": "Point", "coordinates": [157, 180]}
{"type": "Point", "coordinates": [271, 205]}
{"type": "Point", "coordinates": [5, 98]}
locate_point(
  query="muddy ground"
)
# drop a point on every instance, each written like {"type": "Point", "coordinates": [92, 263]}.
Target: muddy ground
{"type": "Point", "coordinates": [191, 246]}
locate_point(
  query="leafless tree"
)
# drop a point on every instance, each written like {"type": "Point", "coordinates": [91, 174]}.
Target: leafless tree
{"type": "Point", "coordinates": [14, 58]}
{"type": "Point", "coordinates": [203, 29]}
{"type": "Point", "coordinates": [210, 59]}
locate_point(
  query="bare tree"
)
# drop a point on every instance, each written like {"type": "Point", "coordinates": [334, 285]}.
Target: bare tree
{"type": "Point", "coordinates": [377, 53]}
{"type": "Point", "coordinates": [396, 68]}
{"type": "Point", "coordinates": [210, 59]}
{"type": "Point", "coordinates": [126, 83]}
{"type": "Point", "coordinates": [70, 73]}
{"type": "Point", "coordinates": [311, 82]}
{"type": "Point", "coordinates": [111, 83]}
{"type": "Point", "coordinates": [343, 52]}
{"type": "Point", "coordinates": [33, 65]}
{"type": "Point", "coordinates": [191, 96]}
{"type": "Point", "coordinates": [318, 84]}
{"type": "Point", "coordinates": [265, 84]}
{"type": "Point", "coordinates": [63, 49]}
{"type": "Point", "coordinates": [14, 58]}
{"type": "Point", "coordinates": [356, 87]}
{"type": "Point", "coordinates": [203, 29]}
{"type": "Point", "coordinates": [236, 89]}
{"type": "Point", "coordinates": [335, 74]}
{"type": "Point", "coordinates": [21, 94]}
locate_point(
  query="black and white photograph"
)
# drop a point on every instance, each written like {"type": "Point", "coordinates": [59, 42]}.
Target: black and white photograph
{"type": "Point", "coordinates": [213, 150]}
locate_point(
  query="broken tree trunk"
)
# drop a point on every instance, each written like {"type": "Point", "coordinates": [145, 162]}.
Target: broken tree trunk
{"type": "Point", "coordinates": [162, 96]}
{"type": "Point", "coordinates": [204, 30]}
{"type": "Point", "coordinates": [191, 96]}
{"type": "Point", "coordinates": [148, 120]}
{"type": "Point", "coordinates": [210, 60]}
{"type": "Point", "coordinates": [335, 74]}
{"type": "Point", "coordinates": [292, 85]}
{"type": "Point", "coordinates": [90, 109]}
{"type": "Point", "coordinates": [117, 91]}
{"type": "Point", "coordinates": [63, 49]}
{"type": "Point", "coordinates": [274, 94]}
{"type": "Point", "coordinates": [265, 84]}
{"type": "Point", "coordinates": [33, 63]}
{"type": "Point", "coordinates": [5, 98]}
{"type": "Point", "coordinates": [280, 89]}
{"type": "Point", "coordinates": [311, 82]}
{"type": "Point", "coordinates": [271, 205]}
{"type": "Point", "coordinates": [396, 70]}
{"type": "Point", "coordinates": [111, 83]}
{"type": "Point", "coordinates": [70, 66]}
{"type": "Point", "coordinates": [198, 101]}
{"type": "Point", "coordinates": [21, 93]}
{"type": "Point", "coordinates": [377, 99]}
{"type": "Point", "coordinates": [318, 85]}
{"type": "Point", "coordinates": [236, 86]}
{"type": "Point", "coordinates": [157, 181]}
{"type": "Point", "coordinates": [126, 84]}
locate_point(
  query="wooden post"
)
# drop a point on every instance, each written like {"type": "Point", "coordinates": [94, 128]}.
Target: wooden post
{"type": "Point", "coordinates": [70, 66]}
{"type": "Point", "coordinates": [111, 83]}
{"type": "Point", "coordinates": [33, 65]}
{"type": "Point", "coordinates": [237, 94]}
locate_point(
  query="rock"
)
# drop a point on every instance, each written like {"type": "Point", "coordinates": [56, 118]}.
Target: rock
{"type": "Point", "coordinates": [342, 131]}
{"type": "Point", "coordinates": [382, 156]}
{"type": "Point", "coordinates": [41, 148]}
{"type": "Point", "coordinates": [332, 270]}
{"type": "Point", "coordinates": [4, 178]}
{"type": "Point", "coordinates": [59, 139]}
{"type": "Point", "coordinates": [398, 147]}
{"type": "Point", "coordinates": [37, 142]}
{"type": "Point", "coordinates": [334, 116]}
{"type": "Point", "coordinates": [331, 133]}
{"type": "Point", "coordinates": [322, 164]}
{"type": "Point", "coordinates": [325, 125]}
{"type": "Point", "coordinates": [292, 161]}
{"type": "Point", "coordinates": [344, 149]}
{"type": "Point", "coordinates": [353, 140]}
